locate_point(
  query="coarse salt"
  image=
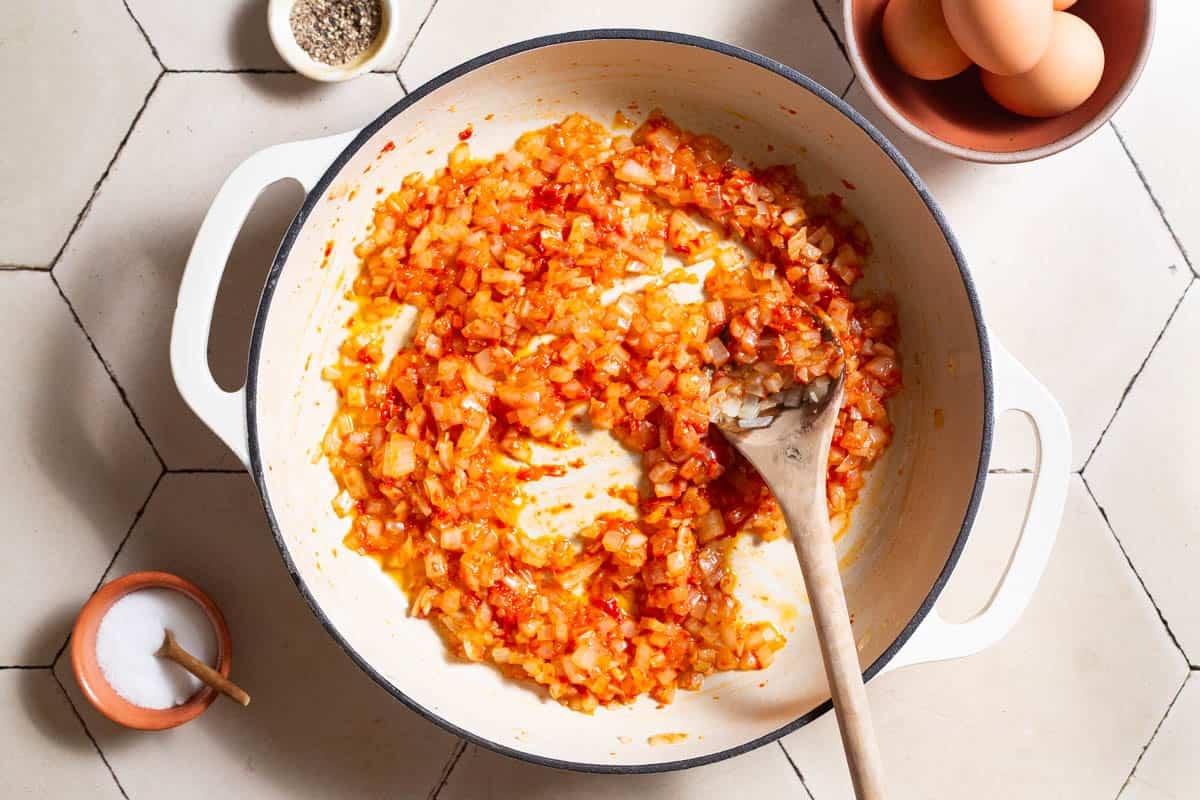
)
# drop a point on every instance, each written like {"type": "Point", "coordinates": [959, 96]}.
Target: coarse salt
{"type": "Point", "coordinates": [132, 631]}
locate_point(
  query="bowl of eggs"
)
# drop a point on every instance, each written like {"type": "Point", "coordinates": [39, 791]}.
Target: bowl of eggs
{"type": "Point", "coordinates": [1000, 81]}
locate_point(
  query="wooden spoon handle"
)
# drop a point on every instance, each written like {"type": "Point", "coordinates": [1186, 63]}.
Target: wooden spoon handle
{"type": "Point", "coordinates": [813, 540]}
{"type": "Point", "coordinates": [171, 650]}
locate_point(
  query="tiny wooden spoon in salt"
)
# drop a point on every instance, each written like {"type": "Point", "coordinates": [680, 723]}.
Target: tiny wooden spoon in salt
{"type": "Point", "coordinates": [171, 651]}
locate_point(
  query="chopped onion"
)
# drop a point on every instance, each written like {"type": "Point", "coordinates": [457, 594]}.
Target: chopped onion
{"type": "Point", "coordinates": [635, 173]}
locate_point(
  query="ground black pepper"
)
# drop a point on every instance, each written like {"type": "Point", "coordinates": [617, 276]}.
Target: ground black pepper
{"type": "Point", "coordinates": [335, 32]}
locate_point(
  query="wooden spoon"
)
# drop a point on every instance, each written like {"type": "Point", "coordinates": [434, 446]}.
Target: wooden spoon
{"type": "Point", "coordinates": [172, 651]}
{"type": "Point", "coordinates": [792, 454]}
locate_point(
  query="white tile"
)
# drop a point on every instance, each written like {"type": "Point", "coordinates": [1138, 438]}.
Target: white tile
{"type": "Point", "coordinates": [833, 13]}
{"type": "Point", "coordinates": [1075, 270]}
{"type": "Point", "coordinates": [1144, 475]}
{"type": "Point", "coordinates": [1060, 708]}
{"type": "Point", "coordinates": [122, 267]}
{"type": "Point", "coordinates": [75, 466]}
{"type": "Point", "coordinates": [1169, 769]}
{"type": "Point", "coordinates": [71, 81]}
{"type": "Point", "coordinates": [1161, 125]}
{"type": "Point", "coordinates": [316, 725]}
{"type": "Point", "coordinates": [786, 30]}
{"type": "Point", "coordinates": [232, 34]}
{"type": "Point", "coordinates": [44, 751]}
{"type": "Point", "coordinates": [483, 775]}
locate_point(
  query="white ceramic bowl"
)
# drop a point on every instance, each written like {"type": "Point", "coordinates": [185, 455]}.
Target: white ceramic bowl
{"type": "Point", "coordinates": [911, 523]}
{"type": "Point", "coordinates": [279, 26]}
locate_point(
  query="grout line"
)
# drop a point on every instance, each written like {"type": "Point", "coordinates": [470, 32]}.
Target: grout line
{"type": "Point", "coordinates": [96, 188]}
{"type": "Point", "coordinates": [1154, 734]}
{"type": "Point", "coordinates": [232, 71]}
{"type": "Point", "coordinates": [206, 471]}
{"type": "Point", "coordinates": [251, 71]}
{"type": "Point", "coordinates": [795, 769]}
{"type": "Point", "coordinates": [1136, 574]}
{"type": "Point", "coordinates": [128, 532]}
{"type": "Point", "coordinates": [1153, 198]}
{"type": "Point", "coordinates": [22, 268]}
{"type": "Point", "coordinates": [1008, 471]}
{"type": "Point", "coordinates": [146, 36]}
{"type": "Point", "coordinates": [832, 30]}
{"type": "Point", "coordinates": [88, 733]}
{"type": "Point", "coordinates": [402, 88]}
{"type": "Point", "coordinates": [112, 376]}
{"type": "Point", "coordinates": [448, 768]}
{"type": "Point", "coordinates": [849, 86]}
{"type": "Point", "coordinates": [26, 666]}
{"type": "Point", "coordinates": [413, 41]}
{"type": "Point", "coordinates": [1136, 375]}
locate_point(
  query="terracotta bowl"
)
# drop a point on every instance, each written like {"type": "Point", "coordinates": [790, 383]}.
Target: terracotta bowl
{"type": "Point", "coordinates": [87, 668]}
{"type": "Point", "coordinates": [957, 117]}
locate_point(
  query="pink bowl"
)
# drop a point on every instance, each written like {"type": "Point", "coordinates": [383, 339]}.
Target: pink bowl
{"type": "Point", "coordinates": [957, 117]}
{"type": "Point", "coordinates": [91, 677]}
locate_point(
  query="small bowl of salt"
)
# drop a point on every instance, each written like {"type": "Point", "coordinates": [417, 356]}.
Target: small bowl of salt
{"type": "Point", "coordinates": [115, 650]}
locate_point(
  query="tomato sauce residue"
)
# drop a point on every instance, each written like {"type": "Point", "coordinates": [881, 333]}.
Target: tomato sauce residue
{"type": "Point", "coordinates": [629, 494]}
{"type": "Point", "coordinates": [387, 148]}
{"type": "Point", "coordinates": [489, 117]}
{"type": "Point", "coordinates": [609, 606]}
{"type": "Point", "coordinates": [466, 133]}
{"type": "Point", "coordinates": [535, 472]}
{"type": "Point", "coordinates": [848, 185]}
{"type": "Point", "coordinates": [327, 254]}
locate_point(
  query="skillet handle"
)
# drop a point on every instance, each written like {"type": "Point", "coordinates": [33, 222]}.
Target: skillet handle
{"type": "Point", "coordinates": [938, 640]}
{"type": "Point", "coordinates": [225, 412]}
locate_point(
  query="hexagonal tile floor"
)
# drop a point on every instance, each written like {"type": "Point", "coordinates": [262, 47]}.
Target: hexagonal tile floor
{"type": "Point", "coordinates": [1154, 512]}
{"type": "Point", "coordinates": [480, 773]}
{"type": "Point", "coordinates": [121, 120]}
{"type": "Point", "coordinates": [770, 27]}
{"type": "Point", "coordinates": [1168, 769]}
{"type": "Point", "coordinates": [77, 469]}
{"type": "Point", "coordinates": [84, 74]}
{"type": "Point", "coordinates": [231, 34]}
{"type": "Point", "coordinates": [1061, 708]}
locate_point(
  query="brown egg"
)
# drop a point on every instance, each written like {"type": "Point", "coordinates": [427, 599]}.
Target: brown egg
{"type": "Point", "coordinates": [918, 40]}
{"type": "Point", "coordinates": [1062, 80]}
{"type": "Point", "coordinates": [1063, 5]}
{"type": "Point", "coordinates": [1006, 37]}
